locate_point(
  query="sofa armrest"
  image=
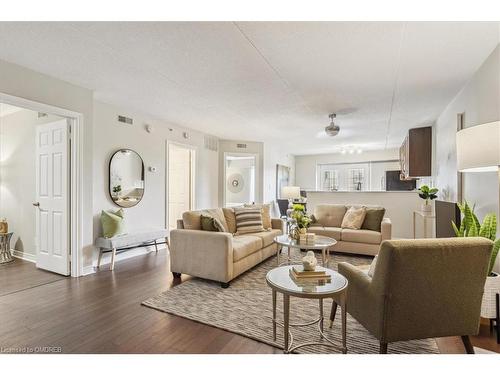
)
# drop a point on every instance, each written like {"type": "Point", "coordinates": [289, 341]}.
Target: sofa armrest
{"type": "Point", "coordinates": [365, 302]}
{"type": "Point", "coordinates": [203, 254]}
{"type": "Point", "coordinates": [278, 224]}
{"type": "Point", "coordinates": [386, 229]}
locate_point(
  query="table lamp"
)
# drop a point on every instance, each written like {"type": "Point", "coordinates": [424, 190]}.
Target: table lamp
{"type": "Point", "coordinates": [290, 193]}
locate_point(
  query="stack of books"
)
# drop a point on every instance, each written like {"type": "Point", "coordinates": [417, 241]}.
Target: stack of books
{"type": "Point", "coordinates": [298, 274]}
{"type": "Point", "coordinates": [307, 238]}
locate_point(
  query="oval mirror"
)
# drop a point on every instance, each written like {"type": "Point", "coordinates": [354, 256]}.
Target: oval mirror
{"type": "Point", "coordinates": [126, 178]}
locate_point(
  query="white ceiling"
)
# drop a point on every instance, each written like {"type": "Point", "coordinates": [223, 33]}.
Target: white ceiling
{"type": "Point", "coordinates": [265, 81]}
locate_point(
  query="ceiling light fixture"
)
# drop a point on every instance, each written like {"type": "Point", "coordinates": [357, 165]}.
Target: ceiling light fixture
{"type": "Point", "coordinates": [332, 130]}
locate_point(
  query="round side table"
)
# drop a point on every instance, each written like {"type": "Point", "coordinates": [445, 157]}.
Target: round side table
{"type": "Point", "coordinates": [279, 280]}
{"type": "Point", "coordinates": [322, 243]}
{"type": "Point", "coordinates": [5, 255]}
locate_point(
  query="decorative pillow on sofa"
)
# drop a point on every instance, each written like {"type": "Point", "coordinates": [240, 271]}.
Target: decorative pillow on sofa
{"type": "Point", "coordinates": [112, 223]}
{"type": "Point", "coordinates": [353, 218]}
{"type": "Point", "coordinates": [373, 218]}
{"type": "Point", "coordinates": [230, 219]}
{"type": "Point", "coordinates": [266, 213]}
{"type": "Point", "coordinates": [211, 224]}
{"type": "Point", "coordinates": [248, 220]}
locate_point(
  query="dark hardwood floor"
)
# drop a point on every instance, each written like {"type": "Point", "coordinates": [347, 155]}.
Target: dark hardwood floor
{"type": "Point", "coordinates": [101, 313]}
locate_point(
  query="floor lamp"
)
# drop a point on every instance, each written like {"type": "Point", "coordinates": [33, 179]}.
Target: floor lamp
{"type": "Point", "coordinates": [478, 149]}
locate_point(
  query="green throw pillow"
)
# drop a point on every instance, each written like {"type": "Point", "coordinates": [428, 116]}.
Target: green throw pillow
{"type": "Point", "coordinates": [211, 224]}
{"type": "Point", "coordinates": [373, 218]}
{"type": "Point", "coordinates": [112, 223]}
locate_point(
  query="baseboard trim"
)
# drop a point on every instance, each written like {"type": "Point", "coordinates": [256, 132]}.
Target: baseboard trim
{"type": "Point", "coordinates": [88, 270]}
{"type": "Point", "coordinates": [24, 256]}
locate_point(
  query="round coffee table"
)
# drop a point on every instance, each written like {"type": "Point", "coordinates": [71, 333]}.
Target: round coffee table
{"type": "Point", "coordinates": [280, 281]}
{"type": "Point", "coordinates": [320, 243]}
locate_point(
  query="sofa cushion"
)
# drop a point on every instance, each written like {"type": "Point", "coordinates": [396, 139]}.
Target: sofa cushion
{"type": "Point", "coordinates": [248, 220]}
{"type": "Point", "coordinates": [218, 214]}
{"type": "Point", "coordinates": [266, 214]}
{"type": "Point", "coordinates": [329, 215]}
{"type": "Point", "coordinates": [354, 217]}
{"type": "Point", "coordinates": [243, 246]}
{"type": "Point", "coordinates": [266, 237]}
{"type": "Point", "coordinates": [373, 218]}
{"type": "Point", "coordinates": [211, 224]}
{"type": "Point", "coordinates": [331, 232]}
{"type": "Point", "coordinates": [192, 220]}
{"type": "Point", "coordinates": [230, 219]}
{"type": "Point", "coordinates": [361, 236]}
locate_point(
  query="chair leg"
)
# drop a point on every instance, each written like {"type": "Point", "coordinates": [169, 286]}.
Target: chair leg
{"type": "Point", "coordinates": [333, 312]}
{"type": "Point", "coordinates": [176, 275]}
{"type": "Point", "coordinates": [383, 347]}
{"type": "Point", "coordinates": [469, 349]}
{"type": "Point", "coordinates": [99, 257]}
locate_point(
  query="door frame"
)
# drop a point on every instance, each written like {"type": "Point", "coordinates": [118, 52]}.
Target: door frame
{"type": "Point", "coordinates": [256, 177]}
{"type": "Point", "coordinates": [75, 176]}
{"type": "Point", "coordinates": [194, 163]}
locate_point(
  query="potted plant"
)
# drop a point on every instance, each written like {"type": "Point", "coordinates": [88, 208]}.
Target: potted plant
{"type": "Point", "coordinates": [117, 189]}
{"type": "Point", "coordinates": [428, 194]}
{"type": "Point", "coordinates": [471, 227]}
{"type": "Point", "coordinates": [302, 220]}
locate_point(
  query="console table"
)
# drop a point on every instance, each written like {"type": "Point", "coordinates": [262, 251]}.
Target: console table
{"type": "Point", "coordinates": [5, 255]}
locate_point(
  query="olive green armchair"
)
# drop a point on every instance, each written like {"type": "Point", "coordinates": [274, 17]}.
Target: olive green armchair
{"type": "Point", "coordinates": [420, 289]}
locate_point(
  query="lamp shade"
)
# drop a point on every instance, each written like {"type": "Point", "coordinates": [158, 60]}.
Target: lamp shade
{"type": "Point", "coordinates": [290, 192]}
{"type": "Point", "coordinates": [478, 148]}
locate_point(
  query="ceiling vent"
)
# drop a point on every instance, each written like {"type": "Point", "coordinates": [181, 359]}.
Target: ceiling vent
{"type": "Point", "coordinates": [211, 143]}
{"type": "Point", "coordinates": [241, 145]}
{"type": "Point", "coordinates": [332, 130]}
{"type": "Point", "coordinates": [125, 120]}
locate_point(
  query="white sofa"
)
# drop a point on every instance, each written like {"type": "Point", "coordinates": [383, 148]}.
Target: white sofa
{"type": "Point", "coordinates": [328, 220]}
{"type": "Point", "coordinates": [218, 256]}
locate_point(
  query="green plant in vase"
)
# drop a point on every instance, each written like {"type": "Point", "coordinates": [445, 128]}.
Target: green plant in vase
{"type": "Point", "coordinates": [470, 226]}
{"type": "Point", "coordinates": [428, 194]}
{"type": "Point", "coordinates": [302, 220]}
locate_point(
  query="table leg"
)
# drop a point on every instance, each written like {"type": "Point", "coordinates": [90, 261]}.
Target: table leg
{"type": "Point", "coordinates": [343, 306]}
{"type": "Point", "coordinates": [321, 316]}
{"type": "Point", "coordinates": [274, 315]}
{"type": "Point", "coordinates": [113, 255]}
{"type": "Point", "coordinates": [286, 321]}
{"type": "Point", "coordinates": [278, 254]}
{"type": "Point", "coordinates": [156, 246]}
{"type": "Point", "coordinates": [414, 226]}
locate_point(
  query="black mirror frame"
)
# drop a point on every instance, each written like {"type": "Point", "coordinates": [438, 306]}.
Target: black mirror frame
{"type": "Point", "coordinates": [109, 176]}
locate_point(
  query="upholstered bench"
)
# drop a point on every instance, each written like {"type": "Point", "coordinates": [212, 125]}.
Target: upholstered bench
{"type": "Point", "coordinates": [129, 241]}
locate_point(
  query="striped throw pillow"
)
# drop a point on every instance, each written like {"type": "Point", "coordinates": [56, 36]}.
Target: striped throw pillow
{"type": "Point", "coordinates": [248, 220]}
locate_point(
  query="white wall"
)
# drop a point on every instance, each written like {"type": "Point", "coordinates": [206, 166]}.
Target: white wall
{"type": "Point", "coordinates": [480, 101]}
{"type": "Point", "coordinates": [305, 165]}
{"type": "Point", "coordinates": [111, 135]}
{"type": "Point", "coordinates": [230, 146]}
{"type": "Point", "coordinates": [18, 177]}
{"type": "Point", "coordinates": [274, 155]}
{"type": "Point", "coordinates": [25, 83]}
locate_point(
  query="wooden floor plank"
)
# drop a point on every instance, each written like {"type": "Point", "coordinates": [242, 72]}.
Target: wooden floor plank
{"type": "Point", "coordinates": [101, 313]}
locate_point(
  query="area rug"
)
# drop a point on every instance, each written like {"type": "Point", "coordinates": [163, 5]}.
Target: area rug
{"type": "Point", "coordinates": [245, 308]}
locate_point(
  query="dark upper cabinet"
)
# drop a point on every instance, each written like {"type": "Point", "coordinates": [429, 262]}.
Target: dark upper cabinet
{"type": "Point", "coordinates": [415, 154]}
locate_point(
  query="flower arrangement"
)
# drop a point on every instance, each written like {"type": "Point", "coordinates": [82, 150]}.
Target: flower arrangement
{"type": "Point", "coordinates": [299, 215]}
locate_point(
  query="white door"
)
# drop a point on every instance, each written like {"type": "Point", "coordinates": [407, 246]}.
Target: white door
{"type": "Point", "coordinates": [180, 182]}
{"type": "Point", "coordinates": [52, 197]}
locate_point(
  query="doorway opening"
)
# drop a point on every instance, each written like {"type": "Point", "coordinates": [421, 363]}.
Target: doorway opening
{"type": "Point", "coordinates": [240, 179]}
{"type": "Point", "coordinates": [40, 185]}
{"type": "Point", "coordinates": [181, 161]}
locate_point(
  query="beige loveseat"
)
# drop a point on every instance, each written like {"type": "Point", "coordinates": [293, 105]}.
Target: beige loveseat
{"type": "Point", "coordinates": [328, 221]}
{"type": "Point", "coordinates": [218, 256]}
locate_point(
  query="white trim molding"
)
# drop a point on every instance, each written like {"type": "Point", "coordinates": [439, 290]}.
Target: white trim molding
{"type": "Point", "coordinates": [24, 256]}
{"type": "Point", "coordinates": [76, 181]}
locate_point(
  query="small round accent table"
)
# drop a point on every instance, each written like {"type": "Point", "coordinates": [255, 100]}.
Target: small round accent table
{"type": "Point", "coordinates": [5, 255]}
{"type": "Point", "coordinates": [320, 243]}
{"type": "Point", "coordinates": [280, 281]}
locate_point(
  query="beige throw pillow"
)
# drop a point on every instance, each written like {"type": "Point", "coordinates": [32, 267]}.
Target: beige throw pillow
{"type": "Point", "coordinates": [353, 218]}
{"type": "Point", "coordinates": [266, 214]}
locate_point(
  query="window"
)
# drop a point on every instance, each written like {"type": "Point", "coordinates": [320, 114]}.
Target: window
{"type": "Point", "coordinates": [357, 179]}
{"type": "Point", "coordinates": [330, 180]}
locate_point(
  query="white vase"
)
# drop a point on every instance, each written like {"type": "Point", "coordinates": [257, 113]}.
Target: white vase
{"type": "Point", "coordinates": [491, 288]}
{"type": "Point", "coordinates": [426, 207]}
